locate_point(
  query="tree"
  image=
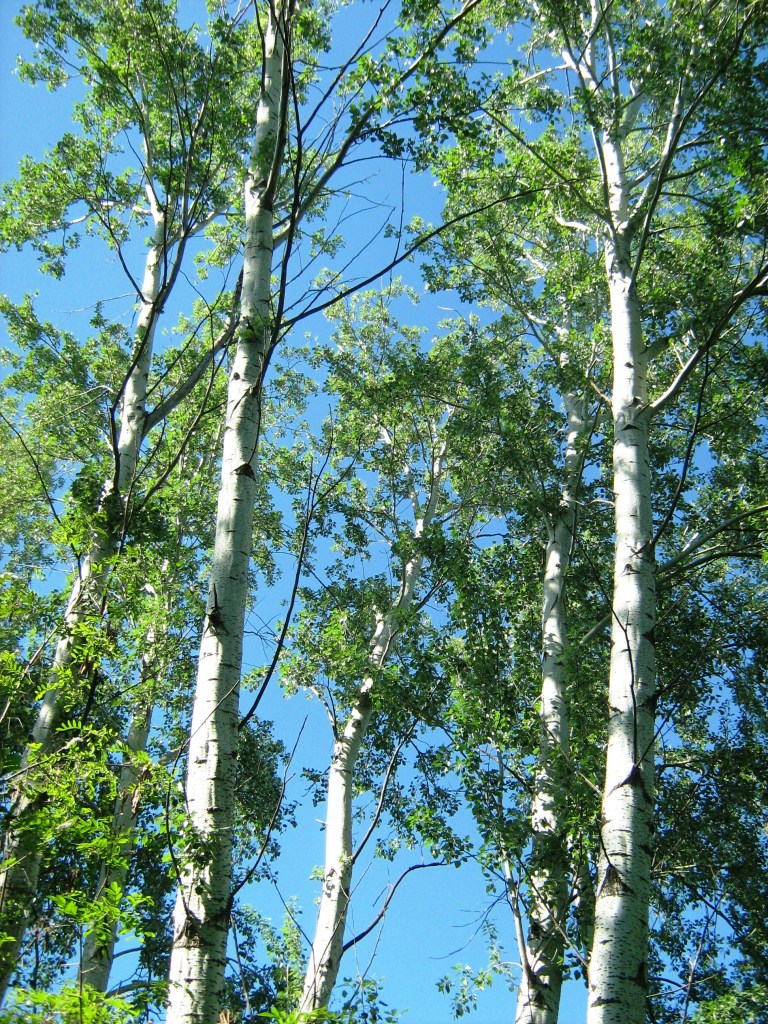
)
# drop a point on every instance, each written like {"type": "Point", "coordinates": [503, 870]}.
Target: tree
{"type": "Point", "coordinates": [544, 285]}
{"type": "Point", "coordinates": [527, 774]}
{"type": "Point", "coordinates": [180, 183]}
{"type": "Point", "coordinates": [197, 961]}
{"type": "Point", "coordinates": [393, 431]}
{"type": "Point", "coordinates": [606, 196]}
{"type": "Point", "coordinates": [628, 212]}
{"type": "Point", "coordinates": [642, 168]}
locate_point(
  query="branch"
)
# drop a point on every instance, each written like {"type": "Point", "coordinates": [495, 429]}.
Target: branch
{"type": "Point", "coordinates": [35, 464]}
{"type": "Point", "coordinates": [166, 407]}
{"type": "Point", "coordinates": [176, 458]}
{"type": "Point", "coordinates": [758, 286]}
{"type": "Point", "coordinates": [288, 615]}
{"type": "Point", "coordinates": [361, 935]}
{"type": "Point", "coordinates": [572, 183]}
{"type": "Point", "coordinates": [270, 828]}
{"type": "Point", "coordinates": [407, 253]}
{"type": "Point", "coordinates": [358, 129]}
{"type": "Point", "coordinates": [653, 188]}
{"type": "Point", "coordinates": [382, 793]}
{"type": "Point", "coordinates": [313, 503]}
{"type": "Point", "coordinates": [688, 457]}
{"type": "Point", "coordinates": [696, 544]}
{"type": "Point", "coordinates": [677, 124]}
{"type": "Point", "coordinates": [699, 540]}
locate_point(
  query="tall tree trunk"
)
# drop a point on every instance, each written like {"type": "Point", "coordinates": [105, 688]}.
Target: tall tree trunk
{"type": "Point", "coordinates": [327, 946]}
{"type": "Point", "coordinates": [21, 847]}
{"type": "Point", "coordinates": [203, 904]}
{"type": "Point", "coordinates": [618, 972]}
{"type": "Point", "coordinates": [538, 997]}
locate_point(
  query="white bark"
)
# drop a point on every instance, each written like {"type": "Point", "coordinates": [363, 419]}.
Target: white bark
{"type": "Point", "coordinates": [618, 975]}
{"type": "Point", "coordinates": [327, 946]}
{"type": "Point", "coordinates": [538, 998]}
{"type": "Point", "coordinates": [325, 957]}
{"type": "Point", "coordinates": [201, 915]}
{"type": "Point", "coordinates": [21, 850]}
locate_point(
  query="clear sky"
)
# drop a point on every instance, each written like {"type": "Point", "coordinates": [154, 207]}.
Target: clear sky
{"type": "Point", "coordinates": [435, 919]}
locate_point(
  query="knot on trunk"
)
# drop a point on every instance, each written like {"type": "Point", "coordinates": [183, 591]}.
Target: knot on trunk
{"type": "Point", "coordinates": [191, 930]}
{"type": "Point", "coordinates": [613, 884]}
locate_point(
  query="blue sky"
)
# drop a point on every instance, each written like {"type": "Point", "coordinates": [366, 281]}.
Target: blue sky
{"type": "Point", "coordinates": [434, 921]}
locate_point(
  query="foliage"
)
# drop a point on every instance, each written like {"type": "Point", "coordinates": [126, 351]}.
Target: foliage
{"type": "Point", "coordinates": [358, 429]}
{"type": "Point", "coordinates": [71, 1002]}
{"type": "Point", "coordinates": [745, 1006]}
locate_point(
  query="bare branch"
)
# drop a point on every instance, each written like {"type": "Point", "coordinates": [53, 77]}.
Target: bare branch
{"type": "Point", "coordinates": [366, 931]}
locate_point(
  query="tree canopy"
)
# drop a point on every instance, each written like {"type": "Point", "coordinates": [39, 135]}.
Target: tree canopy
{"type": "Point", "coordinates": [384, 513]}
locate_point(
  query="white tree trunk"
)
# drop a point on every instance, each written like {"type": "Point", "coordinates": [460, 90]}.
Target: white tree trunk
{"type": "Point", "coordinates": [538, 997]}
{"type": "Point", "coordinates": [21, 850]}
{"type": "Point", "coordinates": [201, 915]}
{"type": "Point", "coordinates": [325, 957]}
{"type": "Point", "coordinates": [618, 973]}
{"type": "Point", "coordinates": [327, 946]}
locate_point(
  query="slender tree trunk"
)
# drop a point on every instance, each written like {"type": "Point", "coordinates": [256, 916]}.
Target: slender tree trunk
{"type": "Point", "coordinates": [327, 946]}
{"type": "Point", "coordinates": [203, 904]}
{"type": "Point", "coordinates": [22, 848]}
{"type": "Point", "coordinates": [328, 943]}
{"type": "Point", "coordinates": [583, 903]}
{"type": "Point", "coordinates": [98, 953]}
{"type": "Point", "coordinates": [538, 997]}
{"type": "Point", "coordinates": [618, 973]}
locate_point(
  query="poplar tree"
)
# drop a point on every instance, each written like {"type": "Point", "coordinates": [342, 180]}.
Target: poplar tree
{"type": "Point", "coordinates": [151, 90]}
{"type": "Point", "coordinates": [641, 105]}
{"type": "Point", "coordinates": [284, 181]}
{"type": "Point", "coordinates": [606, 196]}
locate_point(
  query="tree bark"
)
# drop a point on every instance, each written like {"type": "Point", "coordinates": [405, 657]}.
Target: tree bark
{"type": "Point", "coordinates": [618, 972]}
{"type": "Point", "coordinates": [538, 996]}
{"type": "Point", "coordinates": [203, 904]}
